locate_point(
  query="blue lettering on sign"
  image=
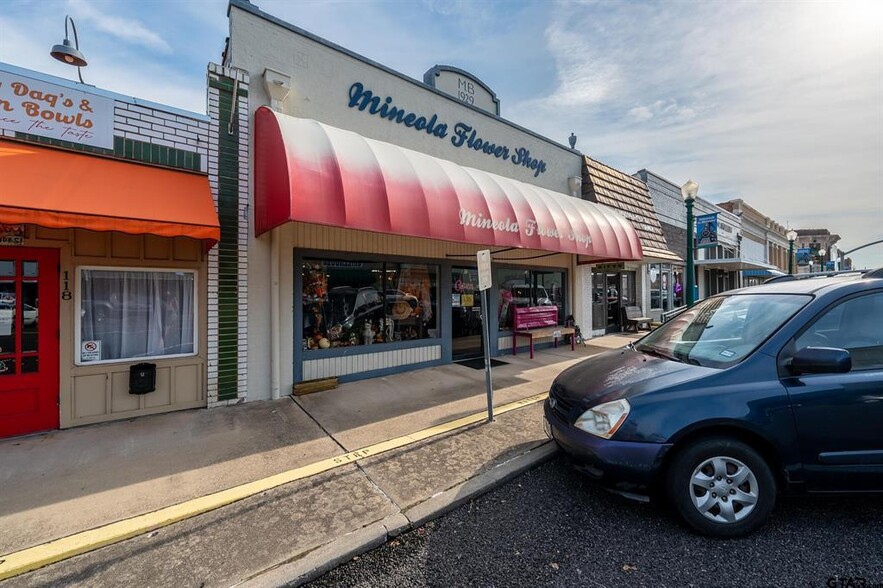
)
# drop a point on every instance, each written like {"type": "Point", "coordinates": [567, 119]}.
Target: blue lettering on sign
{"type": "Point", "coordinates": [463, 136]}
{"type": "Point", "coordinates": [366, 100]}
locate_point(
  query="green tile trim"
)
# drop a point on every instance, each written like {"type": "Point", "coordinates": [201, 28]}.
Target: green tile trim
{"type": "Point", "coordinates": [128, 149]}
{"type": "Point", "coordinates": [223, 85]}
{"type": "Point", "coordinates": [228, 248]}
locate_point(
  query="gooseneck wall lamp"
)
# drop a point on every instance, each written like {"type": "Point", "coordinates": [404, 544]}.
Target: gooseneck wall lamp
{"type": "Point", "coordinates": [70, 53]}
{"type": "Point", "coordinates": [791, 236]}
{"type": "Point", "coordinates": [689, 191]}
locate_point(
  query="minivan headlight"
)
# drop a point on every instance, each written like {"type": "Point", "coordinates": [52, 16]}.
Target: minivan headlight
{"type": "Point", "coordinates": [605, 419]}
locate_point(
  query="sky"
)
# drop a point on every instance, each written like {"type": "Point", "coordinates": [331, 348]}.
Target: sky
{"type": "Point", "coordinates": [777, 103]}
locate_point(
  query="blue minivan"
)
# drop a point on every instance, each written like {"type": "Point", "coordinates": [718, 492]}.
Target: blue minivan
{"type": "Point", "coordinates": [745, 395]}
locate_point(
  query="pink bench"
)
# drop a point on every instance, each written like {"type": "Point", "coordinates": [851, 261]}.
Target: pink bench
{"type": "Point", "coordinates": [538, 322]}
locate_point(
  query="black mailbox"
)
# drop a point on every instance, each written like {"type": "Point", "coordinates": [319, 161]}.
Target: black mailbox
{"type": "Point", "coordinates": [142, 378]}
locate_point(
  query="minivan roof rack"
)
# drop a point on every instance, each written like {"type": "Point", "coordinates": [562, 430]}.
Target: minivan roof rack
{"type": "Point", "coordinates": [877, 273]}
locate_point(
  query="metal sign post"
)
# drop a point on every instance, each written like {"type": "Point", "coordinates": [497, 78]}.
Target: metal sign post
{"type": "Point", "coordinates": [483, 258]}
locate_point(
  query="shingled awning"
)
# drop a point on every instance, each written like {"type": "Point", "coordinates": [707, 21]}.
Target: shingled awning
{"type": "Point", "coordinates": [630, 197]}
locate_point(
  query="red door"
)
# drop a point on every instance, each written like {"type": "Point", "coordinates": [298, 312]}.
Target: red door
{"type": "Point", "coordinates": [28, 340]}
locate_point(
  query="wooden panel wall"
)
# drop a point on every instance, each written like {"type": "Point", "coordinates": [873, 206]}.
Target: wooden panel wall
{"type": "Point", "coordinates": [367, 362]}
{"type": "Point", "coordinates": [310, 236]}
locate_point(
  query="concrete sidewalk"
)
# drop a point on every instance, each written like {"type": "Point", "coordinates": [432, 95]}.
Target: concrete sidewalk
{"type": "Point", "coordinates": [63, 482]}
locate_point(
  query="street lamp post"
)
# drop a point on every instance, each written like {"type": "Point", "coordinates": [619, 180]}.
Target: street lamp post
{"type": "Point", "coordinates": [792, 235]}
{"type": "Point", "coordinates": [689, 192]}
{"type": "Point", "coordinates": [822, 259]}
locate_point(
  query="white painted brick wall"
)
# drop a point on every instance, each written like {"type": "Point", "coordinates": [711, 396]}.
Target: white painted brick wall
{"type": "Point", "coordinates": [208, 135]}
{"type": "Point", "coordinates": [159, 127]}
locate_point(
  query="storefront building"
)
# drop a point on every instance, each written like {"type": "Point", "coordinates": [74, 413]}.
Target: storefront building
{"type": "Point", "coordinates": [106, 218]}
{"type": "Point", "coordinates": [812, 251]}
{"type": "Point", "coordinates": [653, 283]}
{"type": "Point", "coordinates": [719, 266]}
{"type": "Point", "coordinates": [369, 194]}
{"type": "Point", "coordinates": [672, 214]}
{"type": "Point", "coordinates": [764, 243]}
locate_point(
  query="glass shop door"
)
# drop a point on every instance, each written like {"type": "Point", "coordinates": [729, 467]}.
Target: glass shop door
{"type": "Point", "coordinates": [467, 341]}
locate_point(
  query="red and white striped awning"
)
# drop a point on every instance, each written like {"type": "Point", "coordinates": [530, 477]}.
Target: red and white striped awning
{"type": "Point", "coordinates": [310, 172]}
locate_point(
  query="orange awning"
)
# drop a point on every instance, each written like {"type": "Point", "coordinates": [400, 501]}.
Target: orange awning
{"type": "Point", "coordinates": [63, 189]}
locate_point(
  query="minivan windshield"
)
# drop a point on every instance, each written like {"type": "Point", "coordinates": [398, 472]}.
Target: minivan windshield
{"type": "Point", "coordinates": [721, 331]}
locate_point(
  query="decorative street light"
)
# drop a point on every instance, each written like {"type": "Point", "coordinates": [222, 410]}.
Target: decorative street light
{"type": "Point", "coordinates": [792, 235]}
{"type": "Point", "coordinates": [822, 259]}
{"type": "Point", "coordinates": [70, 53]}
{"type": "Point", "coordinates": [689, 192]}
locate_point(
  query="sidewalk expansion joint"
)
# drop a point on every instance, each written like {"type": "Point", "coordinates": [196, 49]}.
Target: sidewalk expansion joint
{"type": "Point", "coordinates": [38, 556]}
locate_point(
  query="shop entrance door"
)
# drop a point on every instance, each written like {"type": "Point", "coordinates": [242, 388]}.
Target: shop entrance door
{"type": "Point", "coordinates": [28, 340]}
{"type": "Point", "coordinates": [467, 341]}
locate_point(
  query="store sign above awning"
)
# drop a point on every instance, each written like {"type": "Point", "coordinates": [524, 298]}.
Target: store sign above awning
{"type": "Point", "coordinates": [310, 172]}
{"type": "Point", "coordinates": [32, 106]}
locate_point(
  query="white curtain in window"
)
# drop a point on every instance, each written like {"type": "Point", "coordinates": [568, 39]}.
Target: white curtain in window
{"type": "Point", "coordinates": [136, 314]}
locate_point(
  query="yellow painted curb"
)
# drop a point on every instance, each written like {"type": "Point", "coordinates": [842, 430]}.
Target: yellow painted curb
{"type": "Point", "coordinates": [36, 557]}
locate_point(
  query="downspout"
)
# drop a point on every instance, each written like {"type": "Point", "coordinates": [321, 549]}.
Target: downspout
{"type": "Point", "coordinates": [277, 85]}
{"type": "Point", "coordinates": [275, 315]}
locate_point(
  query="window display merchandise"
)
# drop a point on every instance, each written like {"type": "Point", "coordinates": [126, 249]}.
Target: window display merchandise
{"type": "Point", "coordinates": [350, 303]}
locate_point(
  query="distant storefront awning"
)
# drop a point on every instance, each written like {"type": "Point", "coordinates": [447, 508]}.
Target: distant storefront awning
{"type": "Point", "coordinates": [654, 254]}
{"type": "Point", "coordinates": [63, 189]}
{"type": "Point", "coordinates": [310, 172]}
{"type": "Point", "coordinates": [735, 264]}
{"type": "Point", "coordinates": [762, 273]}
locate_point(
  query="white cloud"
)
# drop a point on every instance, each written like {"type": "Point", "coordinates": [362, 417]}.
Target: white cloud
{"type": "Point", "coordinates": [126, 29]}
{"type": "Point", "coordinates": [779, 103]}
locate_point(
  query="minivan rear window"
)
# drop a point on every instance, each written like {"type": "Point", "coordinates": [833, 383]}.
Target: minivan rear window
{"type": "Point", "coordinates": [721, 331]}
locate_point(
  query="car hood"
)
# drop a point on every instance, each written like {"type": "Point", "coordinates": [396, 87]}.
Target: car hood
{"type": "Point", "coordinates": [621, 373]}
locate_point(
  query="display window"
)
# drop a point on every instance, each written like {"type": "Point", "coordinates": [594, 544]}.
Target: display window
{"type": "Point", "coordinates": [666, 286]}
{"type": "Point", "coordinates": [677, 278]}
{"type": "Point", "coordinates": [133, 313]}
{"type": "Point", "coordinates": [351, 303]}
{"type": "Point", "coordinates": [521, 287]}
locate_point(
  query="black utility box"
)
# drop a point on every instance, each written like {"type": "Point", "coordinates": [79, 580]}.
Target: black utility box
{"type": "Point", "coordinates": [142, 378]}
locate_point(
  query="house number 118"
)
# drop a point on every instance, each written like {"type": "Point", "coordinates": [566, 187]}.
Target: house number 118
{"type": "Point", "coordinates": [65, 291]}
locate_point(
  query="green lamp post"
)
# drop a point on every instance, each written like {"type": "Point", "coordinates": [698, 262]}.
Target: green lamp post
{"type": "Point", "coordinates": [689, 192]}
{"type": "Point", "coordinates": [792, 236]}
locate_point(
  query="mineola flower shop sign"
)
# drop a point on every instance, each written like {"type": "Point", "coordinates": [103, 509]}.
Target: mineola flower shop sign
{"type": "Point", "coordinates": [28, 105]}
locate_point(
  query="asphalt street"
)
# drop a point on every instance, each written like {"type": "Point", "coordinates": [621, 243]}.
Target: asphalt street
{"type": "Point", "coordinates": [552, 527]}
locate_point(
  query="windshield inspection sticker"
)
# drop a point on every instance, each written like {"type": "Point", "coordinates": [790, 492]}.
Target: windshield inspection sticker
{"type": "Point", "coordinates": [728, 353]}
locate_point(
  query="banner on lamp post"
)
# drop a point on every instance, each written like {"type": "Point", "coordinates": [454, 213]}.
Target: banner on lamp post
{"type": "Point", "coordinates": [706, 230]}
{"type": "Point", "coordinates": [803, 255]}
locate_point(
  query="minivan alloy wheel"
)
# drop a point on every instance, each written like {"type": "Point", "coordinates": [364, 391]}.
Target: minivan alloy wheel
{"type": "Point", "coordinates": [723, 489]}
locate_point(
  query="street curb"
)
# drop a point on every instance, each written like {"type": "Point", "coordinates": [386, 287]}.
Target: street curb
{"type": "Point", "coordinates": [342, 549]}
{"type": "Point", "coordinates": [448, 500]}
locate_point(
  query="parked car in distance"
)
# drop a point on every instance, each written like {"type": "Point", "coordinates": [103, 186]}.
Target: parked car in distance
{"type": "Point", "coordinates": [748, 394]}
{"type": "Point", "coordinates": [29, 314]}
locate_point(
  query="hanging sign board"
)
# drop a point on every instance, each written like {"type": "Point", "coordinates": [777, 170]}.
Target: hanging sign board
{"type": "Point", "coordinates": [706, 230]}
{"type": "Point", "coordinates": [483, 258]}
{"type": "Point", "coordinates": [28, 105]}
{"type": "Point", "coordinates": [12, 234]}
{"type": "Point", "coordinates": [804, 255]}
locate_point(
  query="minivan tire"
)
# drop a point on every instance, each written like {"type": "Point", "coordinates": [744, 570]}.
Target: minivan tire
{"type": "Point", "coordinates": [712, 461]}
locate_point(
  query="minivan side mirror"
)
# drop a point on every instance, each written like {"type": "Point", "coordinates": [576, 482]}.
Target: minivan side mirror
{"type": "Point", "coordinates": [821, 360]}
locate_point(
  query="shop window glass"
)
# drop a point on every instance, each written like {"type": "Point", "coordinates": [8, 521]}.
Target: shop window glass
{"type": "Point", "coordinates": [677, 287]}
{"type": "Point", "coordinates": [351, 303]}
{"type": "Point", "coordinates": [655, 286]}
{"type": "Point", "coordinates": [128, 314]}
{"type": "Point", "coordinates": [520, 287]}
{"type": "Point", "coordinates": [665, 287]}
